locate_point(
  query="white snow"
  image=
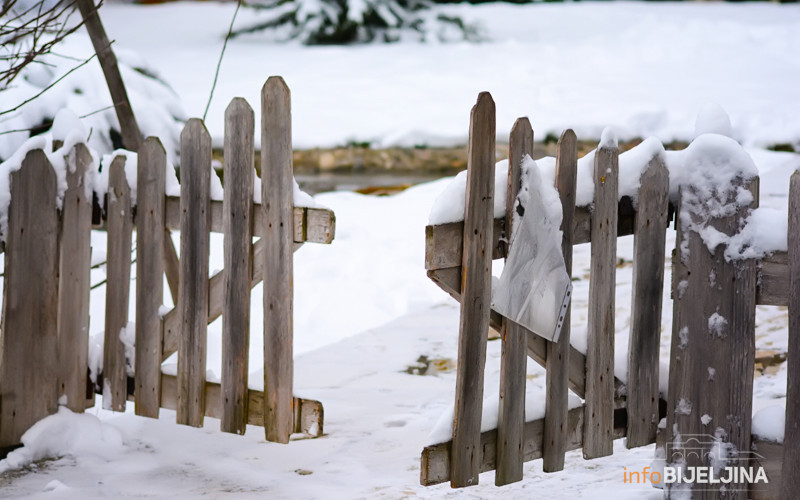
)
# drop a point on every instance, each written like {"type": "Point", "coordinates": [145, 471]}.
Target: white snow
{"type": "Point", "coordinates": [712, 119]}
{"type": "Point", "coordinates": [769, 423]}
{"type": "Point", "coordinates": [717, 325]}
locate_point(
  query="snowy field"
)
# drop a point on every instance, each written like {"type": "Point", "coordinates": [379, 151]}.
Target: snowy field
{"type": "Point", "coordinates": [365, 312]}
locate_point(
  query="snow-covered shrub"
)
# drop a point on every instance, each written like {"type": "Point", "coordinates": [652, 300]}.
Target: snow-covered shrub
{"type": "Point", "coordinates": [317, 22]}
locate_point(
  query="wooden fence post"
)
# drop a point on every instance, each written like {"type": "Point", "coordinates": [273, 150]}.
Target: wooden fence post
{"type": "Point", "coordinates": [30, 301]}
{"type": "Point", "coordinates": [277, 188]}
{"type": "Point", "coordinates": [238, 228]}
{"type": "Point", "coordinates": [557, 363]}
{"type": "Point", "coordinates": [514, 354]}
{"type": "Point", "coordinates": [118, 285]}
{"type": "Point", "coordinates": [598, 429]}
{"type": "Point", "coordinates": [149, 275]}
{"type": "Point", "coordinates": [466, 453]}
{"type": "Point", "coordinates": [193, 283]}
{"type": "Point", "coordinates": [649, 242]}
{"type": "Point", "coordinates": [73, 298]}
{"type": "Point", "coordinates": [791, 442]}
{"type": "Point", "coordinates": [713, 346]}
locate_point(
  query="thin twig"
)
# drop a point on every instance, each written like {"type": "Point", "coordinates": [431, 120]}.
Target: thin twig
{"type": "Point", "coordinates": [221, 54]}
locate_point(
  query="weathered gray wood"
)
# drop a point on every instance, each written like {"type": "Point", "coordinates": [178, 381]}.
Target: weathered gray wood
{"type": "Point", "coordinates": [29, 335]}
{"type": "Point", "coordinates": [73, 298]}
{"type": "Point", "coordinates": [767, 455]}
{"type": "Point", "coordinates": [773, 280]}
{"type": "Point", "coordinates": [558, 353]}
{"type": "Point", "coordinates": [791, 449]}
{"type": "Point", "coordinates": [646, 297]}
{"type": "Point", "coordinates": [597, 438]}
{"type": "Point", "coordinates": [149, 275]}
{"type": "Point", "coordinates": [713, 339]}
{"type": "Point", "coordinates": [308, 414]}
{"type": "Point", "coordinates": [238, 224]}
{"type": "Point", "coordinates": [277, 202]}
{"type": "Point", "coordinates": [465, 464]}
{"type": "Point", "coordinates": [118, 284]}
{"type": "Point", "coordinates": [437, 458]}
{"type": "Point", "coordinates": [193, 289]}
{"type": "Point", "coordinates": [172, 267]}
{"type": "Point", "coordinates": [514, 356]}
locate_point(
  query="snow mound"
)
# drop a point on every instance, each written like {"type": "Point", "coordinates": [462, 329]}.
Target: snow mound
{"type": "Point", "coordinates": [66, 434]}
{"type": "Point", "coordinates": [712, 119]}
{"type": "Point", "coordinates": [769, 423]}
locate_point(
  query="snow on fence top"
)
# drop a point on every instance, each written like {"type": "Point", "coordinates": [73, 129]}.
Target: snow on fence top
{"type": "Point", "coordinates": [68, 129]}
{"type": "Point", "coordinates": [710, 163]}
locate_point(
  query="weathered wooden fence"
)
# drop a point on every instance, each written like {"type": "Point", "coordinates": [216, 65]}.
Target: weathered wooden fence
{"type": "Point", "coordinates": [46, 291]}
{"type": "Point", "coordinates": [458, 258]}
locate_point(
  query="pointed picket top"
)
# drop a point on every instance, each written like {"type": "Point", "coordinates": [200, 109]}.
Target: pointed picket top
{"type": "Point", "coordinates": [238, 107]}
{"type": "Point", "coordinates": [195, 128]}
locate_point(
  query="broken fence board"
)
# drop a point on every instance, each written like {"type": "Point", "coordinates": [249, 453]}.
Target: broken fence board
{"type": "Point", "coordinates": [149, 275]}
{"type": "Point", "coordinates": [514, 356]}
{"type": "Point", "coordinates": [238, 229]}
{"type": "Point", "coordinates": [193, 284]}
{"type": "Point", "coordinates": [557, 362]}
{"type": "Point", "coordinates": [476, 298]}
{"type": "Point", "coordinates": [74, 264]}
{"type": "Point", "coordinates": [646, 298]}
{"type": "Point", "coordinates": [118, 284]}
{"type": "Point", "coordinates": [599, 427]}
{"type": "Point", "coordinates": [277, 187]}
{"type": "Point", "coordinates": [30, 301]}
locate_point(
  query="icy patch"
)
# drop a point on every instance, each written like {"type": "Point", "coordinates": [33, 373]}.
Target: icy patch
{"type": "Point", "coordinates": [705, 419]}
{"type": "Point", "coordinates": [712, 372]}
{"type": "Point", "coordinates": [717, 325]}
{"type": "Point", "coordinates": [684, 407]}
{"type": "Point", "coordinates": [683, 334]}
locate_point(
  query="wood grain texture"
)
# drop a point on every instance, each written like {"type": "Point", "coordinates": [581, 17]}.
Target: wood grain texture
{"type": "Point", "coordinates": [649, 242]}
{"type": "Point", "coordinates": [277, 203]}
{"type": "Point", "coordinates": [790, 484]}
{"type": "Point", "coordinates": [238, 228]}
{"type": "Point", "coordinates": [193, 289]}
{"type": "Point", "coordinates": [558, 353]}
{"type": "Point", "coordinates": [713, 340]}
{"type": "Point", "coordinates": [465, 463]}
{"type": "Point", "coordinates": [172, 267]}
{"type": "Point", "coordinates": [118, 284]}
{"type": "Point", "coordinates": [75, 257]}
{"type": "Point", "coordinates": [150, 234]}
{"type": "Point", "coordinates": [30, 301]}
{"type": "Point", "coordinates": [597, 438]}
{"type": "Point", "coordinates": [514, 356]}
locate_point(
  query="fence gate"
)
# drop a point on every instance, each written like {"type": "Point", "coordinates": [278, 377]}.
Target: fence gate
{"type": "Point", "coordinates": [45, 314]}
{"type": "Point", "coordinates": [458, 259]}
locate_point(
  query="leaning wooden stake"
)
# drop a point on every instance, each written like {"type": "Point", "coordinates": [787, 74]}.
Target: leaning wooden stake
{"type": "Point", "coordinates": [149, 275]}
{"type": "Point", "coordinates": [30, 301]}
{"type": "Point", "coordinates": [791, 442]}
{"type": "Point", "coordinates": [465, 464]}
{"type": "Point", "coordinates": [648, 284]}
{"type": "Point", "coordinates": [73, 297]}
{"type": "Point", "coordinates": [555, 422]}
{"type": "Point", "coordinates": [514, 357]}
{"type": "Point", "coordinates": [277, 189]}
{"type": "Point", "coordinates": [238, 229]}
{"type": "Point", "coordinates": [598, 430]}
{"type": "Point", "coordinates": [118, 284]}
{"type": "Point", "coordinates": [193, 289]}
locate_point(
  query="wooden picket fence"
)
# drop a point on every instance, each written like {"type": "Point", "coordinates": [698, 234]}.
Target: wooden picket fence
{"type": "Point", "coordinates": [458, 259]}
{"type": "Point", "coordinates": [46, 290]}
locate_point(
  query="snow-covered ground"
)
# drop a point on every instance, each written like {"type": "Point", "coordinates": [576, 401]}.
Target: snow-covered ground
{"type": "Point", "coordinates": [365, 312]}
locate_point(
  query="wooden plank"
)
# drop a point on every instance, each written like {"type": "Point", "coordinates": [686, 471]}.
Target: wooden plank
{"type": "Point", "coordinates": [308, 416]}
{"type": "Point", "coordinates": [30, 301]}
{"type": "Point", "coordinates": [713, 340]}
{"type": "Point", "coordinates": [649, 242]}
{"type": "Point", "coordinates": [437, 458]}
{"type": "Point", "coordinates": [558, 354]}
{"type": "Point", "coordinates": [238, 224]}
{"type": "Point", "coordinates": [773, 280]}
{"type": "Point", "coordinates": [73, 298]}
{"type": "Point", "coordinates": [597, 438]}
{"type": "Point", "coordinates": [277, 193]}
{"type": "Point", "coordinates": [118, 284]}
{"type": "Point", "coordinates": [150, 186]}
{"type": "Point", "coordinates": [319, 224]}
{"type": "Point", "coordinates": [172, 267]}
{"type": "Point", "coordinates": [791, 450]}
{"type": "Point", "coordinates": [443, 249]}
{"type": "Point", "coordinates": [514, 356]}
{"type": "Point", "coordinates": [768, 455]}
{"type": "Point", "coordinates": [193, 289]}
{"type": "Point", "coordinates": [476, 294]}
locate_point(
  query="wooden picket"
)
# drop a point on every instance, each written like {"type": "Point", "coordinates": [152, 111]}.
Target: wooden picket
{"type": "Point", "coordinates": [791, 441]}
